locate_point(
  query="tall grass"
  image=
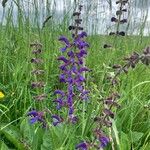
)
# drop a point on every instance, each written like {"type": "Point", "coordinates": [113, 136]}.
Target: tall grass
{"type": "Point", "coordinates": [132, 122]}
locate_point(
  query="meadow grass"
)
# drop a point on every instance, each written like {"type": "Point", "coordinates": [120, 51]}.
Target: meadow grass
{"type": "Point", "coordinates": [131, 126]}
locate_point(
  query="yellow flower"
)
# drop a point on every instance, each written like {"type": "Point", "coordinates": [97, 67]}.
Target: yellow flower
{"type": "Point", "coordinates": [1, 95]}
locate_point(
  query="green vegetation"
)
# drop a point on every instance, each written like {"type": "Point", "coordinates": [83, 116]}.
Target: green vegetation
{"type": "Point", "coordinates": [131, 126]}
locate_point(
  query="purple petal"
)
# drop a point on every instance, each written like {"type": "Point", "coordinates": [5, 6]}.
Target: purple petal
{"type": "Point", "coordinates": [62, 78]}
{"type": "Point", "coordinates": [104, 141]}
{"type": "Point", "coordinates": [71, 111]}
{"type": "Point", "coordinates": [63, 67]}
{"type": "Point", "coordinates": [57, 120]}
{"type": "Point", "coordinates": [70, 54]}
{"type": "Point", "coordinates": [33, 120]}
{"type": "Point", "coordinates": [82, 146]}
{"type": "Point", "coordinates": [33, 113]}
{"type": "Point", "coordinates": [73, 119]}
{"type": "Point", "coordinates": [64, 39]}
{"type": "Point", "coordinates": [83, 69]}
{"type": "Point", "coordinates": [63, 49]}
{"type": "Point", "coordinates": [62, 58]}
{"type": "Point", "coordinates": [59, 102]}
{"type": "Point", "coordinates": [59, 92]}
{"type": "Point", "coordinates": [81, 78]}
{"type": "Point", "coordinates": [82, 35]}
{"type": "Point", "coordinates": [56, 117]}
{"type": "Point", "coordinates": [81, 53]}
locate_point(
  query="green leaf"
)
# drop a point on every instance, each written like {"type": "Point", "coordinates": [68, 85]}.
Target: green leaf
{"type": "Point", "coordinates": [3, 146]}
{"type": "Point", "coordinates": [136, 136]}
{"type": "Point", "coordinates": [37, 138]}
{"type": "Point", "coordinates": [32, 134]}
{"type": "Point", "coordinates": [124, 142]}
{"type": "Point", "coordinates": [27, 131]}
{"type": "Point", "coordinates": [47, 141]}
{"type": "Point", "coordinates": [13, 135]}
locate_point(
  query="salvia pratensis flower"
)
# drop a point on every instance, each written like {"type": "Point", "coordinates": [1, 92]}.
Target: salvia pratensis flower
{"type": "Point", "coordinates": [108, 113]}
{"type": "Point", "coordinates": [116, 66]}
{"type": "Point", "coordinates": [118, 19]}
{"type": "Point", "coordinates": [72, 69]}
{"type": "Point", "coordinates": [122, 33]}
{"type": "Point", "coordinates": [57, 120]}
{"type": "Point", "coordinates": [37, 84]}
{"type": "Point", "coordinates": [76, 14]}
{"type": "Point", "coordinates": [66, 42]}
{"type": "Point", "coordinates": [37, 116]}
{"type": "Point", "coordinates": [122, 2]}
{"type": "Point", "coordinates": [37, 51]}
{"type": "Point", "coordinates": [78, 21]}
{"type": "Point", "coordinates": [75, 27]}
{"type": "Point", "coordinates": [36, 45]}
{"type": "Point", "coordinates": [132, 60]}
{"type": "Point", "coordinates": [38, 72]}
{"type": "Point", "coordinates": [82, 146]}
{"type": "Point", "coordinates": [40, 97]}
{"type": "Point", "coordinates": [112, 33]}
{"type": "Point", "coordinates": [113, 19]}
{"type": "Point", "coordinates": [112, 103]}
{"type": "Point", "coordinates": [80, 7]}
{"type": "Point", "coordinates": [145, 57]}
{"type": "Point", "coordinates": [123, 21]}
{"type": "Point", "coordinates": [36, 60]}
{"type": "Point", "coordinates": [59, 92]}
{"type": "Point", "coordinates": [119, 12]}
{"type": "Point", "coordinates": [103, 139]}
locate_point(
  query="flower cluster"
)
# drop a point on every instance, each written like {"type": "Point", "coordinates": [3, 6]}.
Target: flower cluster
{"type": "Point", "coordinates": [118, 20]}
{"type": "Point", "coordinates": [100, 141]}
{"type": "Point", "coordinates": [104, 120]}
{"type": "Point", "coordinates": [37, 116]}
{"type": "Point", "coordinates": [131, 62]}
{"type": "Point", "coordinates": [37, 84]}
{"type": "Point", "coordinates": [73, 70]}
{"type": "Point", "coordinates": [119, 17]}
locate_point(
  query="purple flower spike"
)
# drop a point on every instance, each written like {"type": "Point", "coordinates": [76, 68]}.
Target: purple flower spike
{"type": "Point", "coordinates": [73, 69]}
{"type": "Point", "coordinates": [82, 146]}
{"type": "Point", "coordinates": [104, 141]}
